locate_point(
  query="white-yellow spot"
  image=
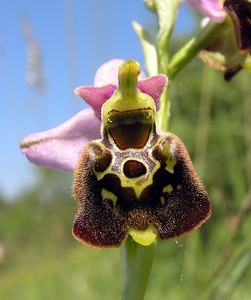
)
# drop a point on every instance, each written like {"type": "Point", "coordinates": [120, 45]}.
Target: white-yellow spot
{"type": "Point", "coordinates": [167, 189]}
{"type": "Point", "coordinates": [143, 237]}
{"type": "Point", "coordinates": [170, 158]}
{"type": "Point", "coordinates": [162, 200]}
{"type": "Point", "coordinates": [170, 163]}
{"type": "Point", "coordinates": [179, 187]}
{"type": "Point", "coordinates": [109, 195]}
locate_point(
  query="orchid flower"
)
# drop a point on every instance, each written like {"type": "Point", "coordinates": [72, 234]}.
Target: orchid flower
{"type": "Point", "coordinates": [230, 49]}
{"type": "Point", "coordinates": [128, 179]}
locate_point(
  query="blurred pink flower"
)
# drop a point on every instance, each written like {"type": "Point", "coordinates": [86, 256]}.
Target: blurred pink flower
{"type": "Point", "coordinates": [60, 147]}
{"type": "Point", "coordinates": [209, 8]}
{"type": "Point", "coordinates": [229, 51]}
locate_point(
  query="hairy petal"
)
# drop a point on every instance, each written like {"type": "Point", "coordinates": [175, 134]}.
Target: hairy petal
{"type": "Point", "coordinates": [154, 87]}
{"type": "Point", "coordinates": [60, 147]}
{"type": "Point", "coordinates": [209, 8]}
{"type": "Point", "coordinates": [95, 96]}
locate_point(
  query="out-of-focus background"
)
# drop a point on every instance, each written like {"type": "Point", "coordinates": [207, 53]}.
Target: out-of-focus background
{"type": "Point", "coordinates": [46, 50]}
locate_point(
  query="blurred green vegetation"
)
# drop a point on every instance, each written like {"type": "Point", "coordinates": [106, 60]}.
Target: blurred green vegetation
{"type": "Point", "coordinates": [41, 260]}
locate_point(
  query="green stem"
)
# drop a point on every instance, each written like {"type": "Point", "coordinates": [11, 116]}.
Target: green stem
{"type": "Point", "coordinates": [191, 49]}
{"type": "Point", "coordinates": [137, 262]}
{"type": "Point", "coordinates": [164, 111]}
{"type": "Point", "coordinates": [178, 62]}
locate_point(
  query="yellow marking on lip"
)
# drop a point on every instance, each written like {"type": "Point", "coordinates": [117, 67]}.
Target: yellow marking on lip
{"type": "Point", "coordinates": [143, 237]}
{"type": "Point", "coordinates": [165, 150]}
{"type": "Point", "coordinates": [170, 163]}
{"type": "Point", "coordinates": [107, 195]}
{"type": "Point", "coordinates": [167, 189]}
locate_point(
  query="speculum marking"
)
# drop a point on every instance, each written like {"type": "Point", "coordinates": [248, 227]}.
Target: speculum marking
{"type": "Point", "coordinates": [134, 168]}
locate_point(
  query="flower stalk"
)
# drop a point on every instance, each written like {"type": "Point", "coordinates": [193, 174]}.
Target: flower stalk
{"type": "Point", "coordinates": [192, 47]}
{"type": "Point", "coordinates": [137, 263]}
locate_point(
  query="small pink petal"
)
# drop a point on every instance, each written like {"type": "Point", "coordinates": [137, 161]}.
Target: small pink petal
{"type": "Point", "coordinates": [108, 73]}
{"type": "Point", "coordinates": [95, 96]}
{"type": "Point", "coordinates": [59, 148]}
{"type": "Point", "coordinates": [209, 8]}
{"type": "Point", "coordinates": [154, 87]}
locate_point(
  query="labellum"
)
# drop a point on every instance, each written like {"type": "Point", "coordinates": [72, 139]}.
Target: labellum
{"type": "Point", "coordinates": [133, 180]}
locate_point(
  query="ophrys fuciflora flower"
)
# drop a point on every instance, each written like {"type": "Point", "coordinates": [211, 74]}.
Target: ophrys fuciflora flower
{"type": "Point", "coordinates": [134, 180]}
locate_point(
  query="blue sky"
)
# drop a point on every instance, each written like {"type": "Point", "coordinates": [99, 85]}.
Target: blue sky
{"type": "Point", "coordinates": [74, 38]}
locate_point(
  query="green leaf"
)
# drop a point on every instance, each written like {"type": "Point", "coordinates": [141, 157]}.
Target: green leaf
{"type": "Point", "coordinates": [167, 13]}
{"type": "Point", "coordinates": [148, 47]}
